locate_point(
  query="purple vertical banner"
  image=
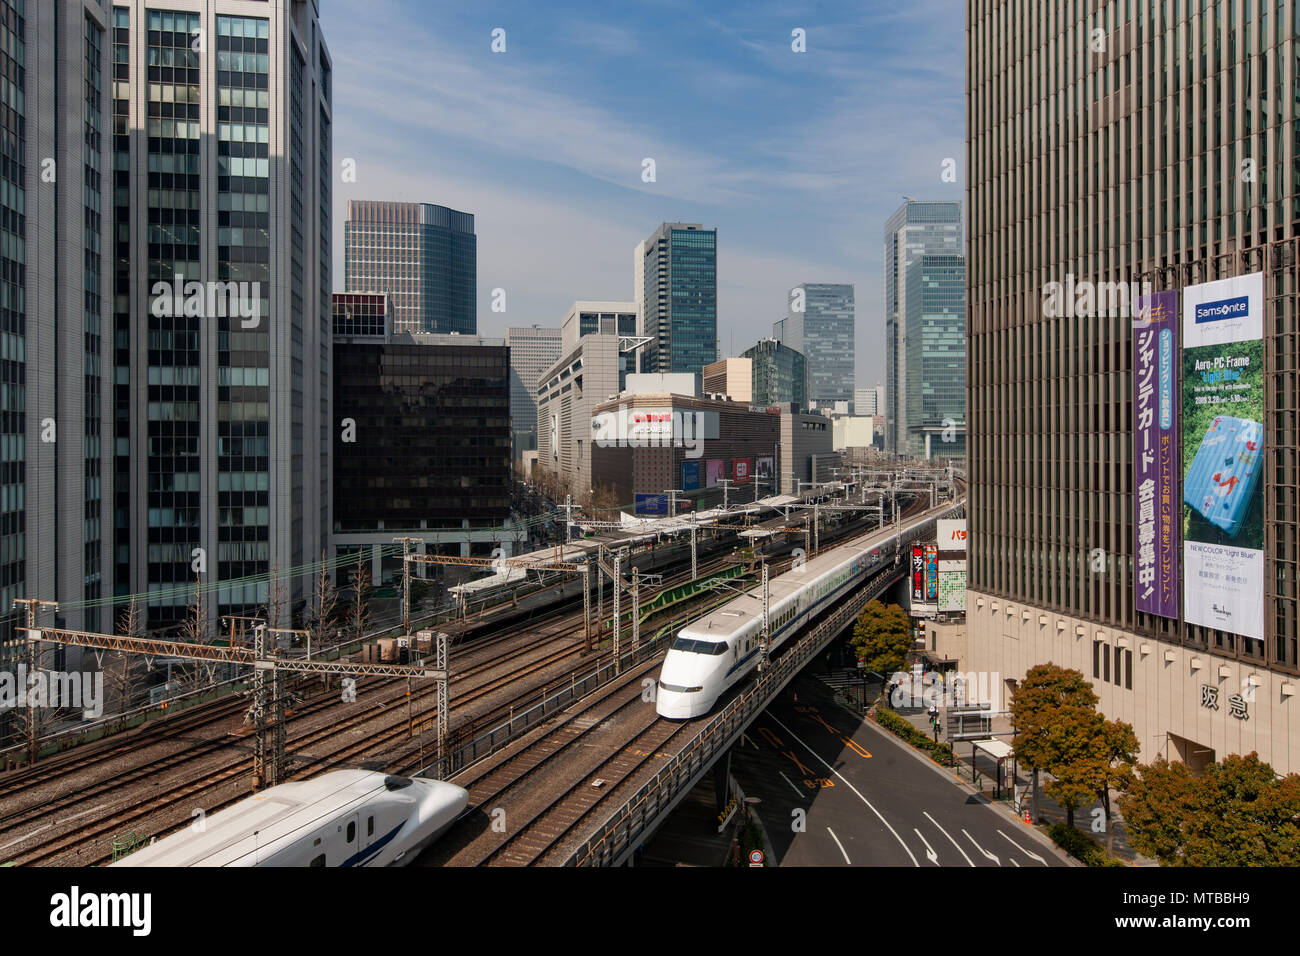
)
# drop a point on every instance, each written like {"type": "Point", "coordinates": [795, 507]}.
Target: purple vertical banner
{"type": "Point", "coordinates": [1156, 454]}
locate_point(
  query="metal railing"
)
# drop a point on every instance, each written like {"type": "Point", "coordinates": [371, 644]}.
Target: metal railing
{"type": "Point", "coordinates": [628, 826]}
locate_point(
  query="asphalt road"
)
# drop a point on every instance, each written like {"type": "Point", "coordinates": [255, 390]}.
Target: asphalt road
{"type": "Point", "coordinates": [837, 791]}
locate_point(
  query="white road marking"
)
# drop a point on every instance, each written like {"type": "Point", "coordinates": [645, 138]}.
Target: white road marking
{"type": "Point", "coordinates": [929, 850]}
{"type": "Point", "coordinates": [787, 780]}
{"type": "Point", "coordinates": [981, 849]}
{"type": "Point", "coordinates": [840, 845]}
{"type": "Point", "coordinates": [905, 847]}
{"type": "Point", "coordinates": [1013, 862]}
{"type": "Point", "coordinates": [949, 836]}
{"type": "Point", "coordinates": [1032, 856]}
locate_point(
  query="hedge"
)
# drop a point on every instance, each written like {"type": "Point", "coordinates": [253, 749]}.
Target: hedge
{"type": "Point", "coordinates": [901, 727]}
{"type": "Point", "coordinates": [1080, 846]}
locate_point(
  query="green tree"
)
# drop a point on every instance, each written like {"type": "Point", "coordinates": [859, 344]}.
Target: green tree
{"type": "Point", "coordinates": [1071, 755]}
{"type": "Point", "coordinates": [1035, 705]}
{"type": "Point", "coordinates": [882, 638]}
{"type": "Point", "coordinates": [1237, 813]}
{"type": "Point", "coordinates": [1116, 746]}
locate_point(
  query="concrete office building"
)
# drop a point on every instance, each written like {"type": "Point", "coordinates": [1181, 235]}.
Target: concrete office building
{"type": "Point", "coordinates": [425, 257]}
{"type": "Point", "coordinates": [732, 377]}
{"type": "Point", "coordinates": [1123, 166]}
{"type": "Point", "coordinates": [532, 351]}
{"type": "Point", "coordinates": [222, 173]}
{"type": "Point", "coordinates": [869, 401]}
{"type": "Point", "coordinates": [779, 374]}
{"type": "Point", "coordinates": [807, 444]}
{"type": "Point", "coordinates": [435, 411]}
{"type": "Point", "coordinates": [56, 472]}
{"type": "Point", "coordinates": [676, 297]}
{"type": "Point", "coordinates": [915, 230]}
{"type": "Point", "coordinates": [819, 325]}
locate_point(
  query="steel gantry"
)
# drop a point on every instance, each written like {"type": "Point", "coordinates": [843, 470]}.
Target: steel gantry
{"type": "Point", "coordinates": [268, 756]}
{"type": "Point", "coordinates": [532, 562]}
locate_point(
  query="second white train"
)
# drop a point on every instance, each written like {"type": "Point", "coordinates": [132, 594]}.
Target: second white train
{"type": "Point", "coordinates": [715, 652]}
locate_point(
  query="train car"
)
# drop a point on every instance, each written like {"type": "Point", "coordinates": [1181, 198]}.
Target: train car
{"type": "Point", "coordinates": [715, 652]}
{"type": "Point", "coordinates": [341, 818]}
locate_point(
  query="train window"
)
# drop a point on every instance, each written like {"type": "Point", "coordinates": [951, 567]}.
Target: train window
{"type": "Point", "coordinates": [316, 842]}
{"type": "Point", "coordinates": [370, 826]}
{"type": "Point", "coordinates": [318, 861]}
{"type": "Point", "coordinates": [352, 831]}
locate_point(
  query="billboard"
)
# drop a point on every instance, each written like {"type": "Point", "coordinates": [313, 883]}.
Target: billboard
{"type": "Point", "coordinates": [1155, 454]}
{"type": "Point", "coordinates": [741, 468]}
{"type": "Point", "coordinates": [952, 590]}
{"type": "Point", "coordinates": [931, 573]}
{"type": "Point", "coordinates": [713, 472]}
{"type": "Point", "coordinates": [918, 574]}
{"type": "Point", "coordinates": [651, 504]}
{"type": "Point", "coordinates": [1222, 455]}
{"type": "Point", "coordinates": [690, 476]}
{"type": "Point", "coordinates": [764, 468]}
{"type": "Point", "coordinates": [951, 534]}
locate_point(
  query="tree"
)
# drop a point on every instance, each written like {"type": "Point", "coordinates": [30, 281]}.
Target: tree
{"type": "Point", "coordinates": [1237, 813]}
{"type": "Point", "coordinates": [1035, 705]}
{"type": "Point", "coordinates": [359, 609]}
{"type": "Point", "coordinates": [1160, 800]}
{"type": "Point", "coordinates": [882, 638]}
{"type": "Point", "coordinates": [324, 605]}
{"type": "Point", "coordinates": [1117, 746]}
{"type": "Point", "coordinates": [120, 672]}
{"type": "Point", "coordinates": [194, 630]}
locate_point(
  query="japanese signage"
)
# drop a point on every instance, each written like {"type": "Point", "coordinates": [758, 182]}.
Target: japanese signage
{"type": "Point", "coordinates": [764, 467]}
{"type": "Point", "coordinates": [918, 574]}
{"type": "Point", "coordinates": [1223, 448]}
{"type": "Point", "coordinates": [952, 588]}
{"type": "Point", "coordinates": [651, 504]}
{"type": "Point", "coordinates": [1155, 454]}
{"type": "Point", "coordinates": [952, 534]}
{"type": "Point", "coordinates": [740, 470]}
{"type": "Point", "coordinates": [1238, 706]}
{"type": "Point", "coordinates": [690, 476]}
{"type": "Point", "coordinates": [931, 573]}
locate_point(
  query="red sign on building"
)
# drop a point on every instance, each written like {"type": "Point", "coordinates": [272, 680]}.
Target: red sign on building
{"type": "Point", "coordinates": [741, 469]}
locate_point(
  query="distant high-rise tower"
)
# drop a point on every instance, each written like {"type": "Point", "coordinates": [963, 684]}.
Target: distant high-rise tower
{"type": "Point", "coordinates": [819, 325]}
{"type": "Point", "coordinates": [678, 303]}
{"type": "Point", "coordinates": [917, 229]}
{"type": "Point", "coordinates": [424, 257]}
{"type": "Point", "coordinates": [221, 176]}
{"type": "Point", "coordinates": [532, 351]}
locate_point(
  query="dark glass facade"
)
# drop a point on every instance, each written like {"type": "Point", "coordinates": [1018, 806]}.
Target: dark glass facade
{"type": "Point", "coordinates": [13, 310]}
{"type": "Point", "coordinates": [432, 435]}
{"type": "Point", "coordinates": [779, 374]}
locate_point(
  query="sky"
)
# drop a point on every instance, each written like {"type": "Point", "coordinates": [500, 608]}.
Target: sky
{"type": "Point", "coordinates": [797, 158]}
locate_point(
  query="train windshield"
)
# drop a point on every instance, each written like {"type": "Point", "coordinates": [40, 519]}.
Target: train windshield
{"type": "Point", "coordinates": [699, 647]}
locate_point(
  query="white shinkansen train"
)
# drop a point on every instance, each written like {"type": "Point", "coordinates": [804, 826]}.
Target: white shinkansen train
{"type": "Point", "coordinates": [341, 818]}
{"type": "Point", "coordinates": [718, 650]}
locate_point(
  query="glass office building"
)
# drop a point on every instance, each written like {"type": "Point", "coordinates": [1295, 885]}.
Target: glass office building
{"type": "Point", "coordinates": [822, 331]}
{"type": "Point", "coordinates": [679, 298]}
{"type": "Point", "coordinates": [424, 257]}
{"type": "Point", "coordinates": [914, 230]}
{"type": "Point", "coordinates": [779, 374]}
{"type": "Point", "coordinates": [935, 357]}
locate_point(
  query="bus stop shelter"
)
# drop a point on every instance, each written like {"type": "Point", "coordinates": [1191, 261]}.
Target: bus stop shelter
{"type": "Point", "coordinates": [999, 751]}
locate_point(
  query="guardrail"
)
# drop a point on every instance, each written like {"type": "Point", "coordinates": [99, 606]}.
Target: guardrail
{"type": "Point", "coordinates": [628, 826]}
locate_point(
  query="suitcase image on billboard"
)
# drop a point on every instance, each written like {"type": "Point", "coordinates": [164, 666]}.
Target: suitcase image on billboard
{"type": "Point", "coordinates": [1221, 482]}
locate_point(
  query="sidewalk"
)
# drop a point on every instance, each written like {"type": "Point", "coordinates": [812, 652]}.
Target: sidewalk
{"type": "Point", "coordinates": [848, 692]}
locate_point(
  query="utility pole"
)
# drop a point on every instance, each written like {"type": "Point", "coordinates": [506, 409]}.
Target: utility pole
{"type": "Point", "coordinates": [767, 638]}
{"type": "Point", "coordinates": [33, 607]}
{"type": "Point", "coordinates": [618, 561]}
{"type": "Point", "coordinates": [726, 487]}
{"type": "Point", "coordinates": [406, 584]}
{"type": "Point", "coordinates": [672, 494]}
{"type": "Point", "coordinates": [636, 608]}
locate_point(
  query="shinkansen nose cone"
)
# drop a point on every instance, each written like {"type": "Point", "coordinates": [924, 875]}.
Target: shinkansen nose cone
{"type": "Point", "coordinates": [691, 678]}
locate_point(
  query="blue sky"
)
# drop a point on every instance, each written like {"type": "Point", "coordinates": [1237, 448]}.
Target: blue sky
{"type": "Point", "coordinates": [796, 158]}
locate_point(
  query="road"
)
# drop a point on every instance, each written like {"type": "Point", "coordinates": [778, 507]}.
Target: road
{"type": "Point", "coordinates": [837, 791]}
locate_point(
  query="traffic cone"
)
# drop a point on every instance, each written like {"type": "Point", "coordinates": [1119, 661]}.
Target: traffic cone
{"type": "Point", "coordinates": [1028, 822]}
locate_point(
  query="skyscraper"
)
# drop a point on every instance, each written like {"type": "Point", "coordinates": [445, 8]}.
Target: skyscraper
{"type": "Point", "coordinates": [779, 374]}
{"type": "Point", "coordinates": [916, 229]}
{"type": "Point", "coordinates": [819, 325]}
{"type": "Point", "coordinates": [1150, 186]}
{"type": "Point", "coordinates": [222, 308]}
{"type": "Point", "coordinates": [56, 478]}
{"type": "Point", "coordinates": [678, 305]}
{"type": "Point", "coordinates": [424, 257]}
{"type": "Point", "coordinates": [532, 351]}
{"type": "Point", "coordinates": [934, 358]}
